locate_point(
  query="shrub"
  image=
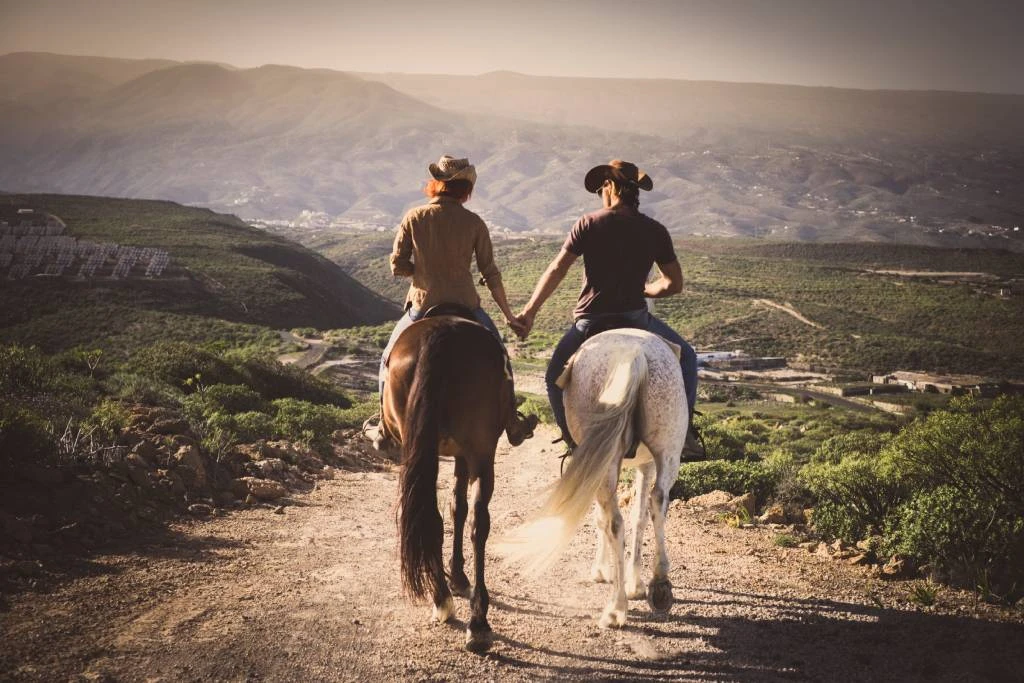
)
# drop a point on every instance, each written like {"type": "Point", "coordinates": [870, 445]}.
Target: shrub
{"type": "Point", "coordinates": [736, 477]}
{"type": "Point", "coordinates": [854, 496]}
{"type": "Point", "coordinates": [136, 388]}
{"type": "Point", "coordinates": [969, 539]}
{"type": "Point", "coordinates": [109, 419]}
{"type": "Point", "coordinates": [178, 362]}
{"type": "Point", "coordinates": [252, 425]}
{"type": "Point", "coordinates": [24, 371]}
{"type": "Point", "coordinates": [275, 380]}
{"type": "Point", "coordinates": [24, 436]}
{"type": "Point", "coordinates": [305, 421]}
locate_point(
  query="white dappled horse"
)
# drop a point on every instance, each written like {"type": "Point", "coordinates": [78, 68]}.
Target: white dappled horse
{"type": "Point", "coordinates": [624, 386]}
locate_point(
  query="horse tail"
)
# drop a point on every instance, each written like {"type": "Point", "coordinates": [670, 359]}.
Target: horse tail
{"type": "Point", "coordinates": [609, 433]}
{"type": "Point", "coordinates": [421, 529]}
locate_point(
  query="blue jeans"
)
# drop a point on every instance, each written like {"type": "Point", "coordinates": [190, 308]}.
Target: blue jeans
{"type": "Point", "coordinates": [573, 339]}
{"type": "Point", "coordinates": [411, 316]}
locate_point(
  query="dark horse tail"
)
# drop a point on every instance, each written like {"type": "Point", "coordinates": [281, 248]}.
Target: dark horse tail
{"type": "Point", "coordinates": [420, 526]}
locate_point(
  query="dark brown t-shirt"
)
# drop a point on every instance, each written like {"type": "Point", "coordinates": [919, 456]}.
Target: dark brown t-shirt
{"type": "Point", "coordinates": [618, 247]}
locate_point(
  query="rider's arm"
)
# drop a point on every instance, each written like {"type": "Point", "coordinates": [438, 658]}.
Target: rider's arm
{"type": "Point", "coordinates": [670, 282]}
{"type": "Point", "coordinates": [547, 284]}
{"type": "Point", "coordinates": [401, 252]}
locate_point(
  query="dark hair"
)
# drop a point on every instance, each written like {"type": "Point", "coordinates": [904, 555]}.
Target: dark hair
{"type": "Point", "coordinates": [628, 192]}
{"type": "Point", "coordinates": [459, 188]}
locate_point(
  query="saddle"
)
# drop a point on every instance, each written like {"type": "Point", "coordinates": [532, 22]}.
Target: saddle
{"type": "Point", "coordinates": [457, 310]}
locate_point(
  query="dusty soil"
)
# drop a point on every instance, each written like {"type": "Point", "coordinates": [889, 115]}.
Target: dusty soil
{"type": "Point", "coordinates": [313, 594]}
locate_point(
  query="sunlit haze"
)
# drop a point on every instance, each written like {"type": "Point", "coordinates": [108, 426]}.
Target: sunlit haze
{"type": "Point", "coordinates": [901, 44]}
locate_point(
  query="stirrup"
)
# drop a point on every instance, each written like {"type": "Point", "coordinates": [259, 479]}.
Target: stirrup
{"type": "Point", "coordinates": [694, 448]}
{"type": "Point", "coordinates": [570, 448]}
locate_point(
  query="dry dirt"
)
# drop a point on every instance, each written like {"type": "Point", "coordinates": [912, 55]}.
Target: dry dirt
{"type": "Point", "coordinates": [313, 594]}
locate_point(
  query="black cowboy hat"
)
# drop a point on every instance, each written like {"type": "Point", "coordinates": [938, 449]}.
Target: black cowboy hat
{"type": "Point", "coordinates": [621, 172]}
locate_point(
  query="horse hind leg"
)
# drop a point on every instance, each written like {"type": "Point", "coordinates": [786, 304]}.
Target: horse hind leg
{"type": "Point", "coordinates": [479, 636]}
{"type": "Point", "coordinates": [458, 582]}
{"type": "Point", "coordinates": [602, 571]}
{"type": "Point", "coordinates": [614, 614]}
{"type": "Point", "coordinates": [659, 594]}
{"type": "Point", "coordinates": [635, 588]}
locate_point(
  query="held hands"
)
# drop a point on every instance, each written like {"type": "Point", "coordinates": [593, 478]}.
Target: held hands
{"type": "Point", "coordinates": [524, 322]}
{"type": "Point", "coordinates": [517, 327]}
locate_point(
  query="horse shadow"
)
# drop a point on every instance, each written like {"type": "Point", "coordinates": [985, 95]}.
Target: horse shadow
{"type": "Point", "coordinates": [788, 639]}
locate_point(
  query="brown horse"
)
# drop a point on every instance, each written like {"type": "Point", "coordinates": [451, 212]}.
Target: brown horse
{"type": "Point", "coordinates": [444, 396]}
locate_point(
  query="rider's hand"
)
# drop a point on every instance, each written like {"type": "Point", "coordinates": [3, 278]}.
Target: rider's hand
{"type": "Point", "coordinates": [517, 327]}
{"type": "Point", "coordinates": [526, 321]}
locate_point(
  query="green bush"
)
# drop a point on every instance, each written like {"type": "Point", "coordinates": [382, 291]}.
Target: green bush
{"type": "Point", "coordinates": [274, 380]}
{"type": "Point", "coordinates": [180, 363]}
{"type": "Point", "coordinates": [135, 388]}
{"type": "Point", "coordinates": [109, 419]}
{"type": "Point", "coordinates": [854, 496]}
{"type": "Point", "coordinates": [252, 426]}
{"type": "Point", "coordinates": [24, 435]}
{"type": "Point", "coordinates": [24, 371]}
{"type": "Point", "coordinates": [305, 421]}
{"type": "Point", "coordinates": [736, 477]}
{"type": "Point", "coordinates": [969, 539]}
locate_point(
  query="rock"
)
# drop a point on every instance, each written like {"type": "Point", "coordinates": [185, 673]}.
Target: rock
{"type": "Point", "coordinates": [895, 567]}
{"type": "Point", "coordinates": [269, 467]}
{"type": "Point", "coordinates": [279, 510]}
{"type": "Point", "coordinates": [746, 502]}
{"type": "Point", "coordinates": [173, 481]}
{"type": "Point", "coordinates": [189, 459]}
{"type": "Point", "coordinates": [859, 559]}
{"type": "Point", "coordinates": [822, 551]}
{"type": "Point", "coordinates": [239, 487]}
{"type": "Point", "coordinates": [200, 510]}
{"type": "Point", "coordinates": [809, 546]}
{"type": "Point", "coordinates": [327, 472]}
{"type": "Point", "coordinates": [250, 499]}
{"type": "Point", "coordinates": [264, 489]}
{"type": "Point", "coordinates": [171, 426]}
{"type": "Point", "coordinates": [711, 500]}
{"type": "Point", "coordinates": [146, 451]}
{"type": "Point", "coordinates": [139, 476]}
{"type": "Point", "coordinates": [775, 514]}
{"type": "Point", "coordinates": [837, 546]}
{"type": "Point", "coordinates": [226, 497]}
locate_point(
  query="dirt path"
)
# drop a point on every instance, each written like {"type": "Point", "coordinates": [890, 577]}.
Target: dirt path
{"type": "Point", "coordinates": [788, 309]}
{"type": "Point", "coordinates": [313, 594]}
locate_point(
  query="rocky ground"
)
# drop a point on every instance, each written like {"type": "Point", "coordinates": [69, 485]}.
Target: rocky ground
{"type": "Point", "coordinates": [304, 586]}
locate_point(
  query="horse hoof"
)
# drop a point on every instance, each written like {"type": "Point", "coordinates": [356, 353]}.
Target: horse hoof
{"type": "Point", "coordinates": [659, 596]}
{"type": "Point", "coordinates": [637, 592]}
{"type": "Point", "coordinates": [479, 642]}
{"type": "Point", "coordinates": [443, 612]}
{"type": "Point", "coordinates": [612, 619]}
{"type": "Point", "coordinates": [598, 575]}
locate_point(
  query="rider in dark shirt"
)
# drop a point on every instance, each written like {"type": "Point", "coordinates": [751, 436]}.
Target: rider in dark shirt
{"type": "Point", "coordinates": [618, 245]}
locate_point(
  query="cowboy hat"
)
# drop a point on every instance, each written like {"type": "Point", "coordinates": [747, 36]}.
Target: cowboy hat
{"type": "Point", "coordinates": [448, 168]}
{"type": "Point", "coordinates": [621, 172]}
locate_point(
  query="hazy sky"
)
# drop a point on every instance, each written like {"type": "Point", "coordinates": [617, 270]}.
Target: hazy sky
{"type": "Point", "coordinates": [919, 44]}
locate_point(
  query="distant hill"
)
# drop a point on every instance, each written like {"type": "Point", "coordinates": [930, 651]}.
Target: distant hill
{"type": "Point", "coordinates": [225, 279]}
{"type": "Point", "coordinates": [278, 142]}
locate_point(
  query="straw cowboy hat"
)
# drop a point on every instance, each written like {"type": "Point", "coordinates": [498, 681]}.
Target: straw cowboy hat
{"type": "Point", "coordinates": [448, 168]}
{"type": "Point", "coordinates": [621, 172]}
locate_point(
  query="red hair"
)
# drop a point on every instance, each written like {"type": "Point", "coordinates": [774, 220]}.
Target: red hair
{"type": "Point", "coordinates": [459, 189]}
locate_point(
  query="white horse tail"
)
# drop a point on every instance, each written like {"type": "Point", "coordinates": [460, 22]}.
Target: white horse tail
{"type": "Point", "coordinates": [608, 432]}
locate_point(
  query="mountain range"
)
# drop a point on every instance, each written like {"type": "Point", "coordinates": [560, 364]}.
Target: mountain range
{"type": "Point", "coordinates": [324, 150]}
